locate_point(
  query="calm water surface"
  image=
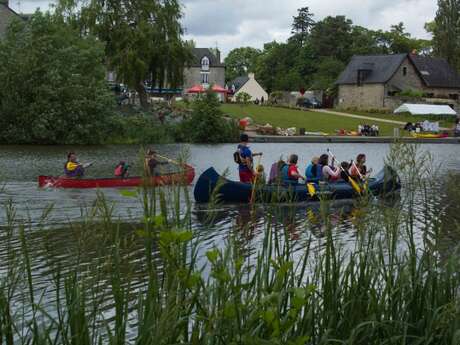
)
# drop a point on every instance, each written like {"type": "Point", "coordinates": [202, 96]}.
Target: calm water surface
{"type": "Point", "coordinates": [20, 166]}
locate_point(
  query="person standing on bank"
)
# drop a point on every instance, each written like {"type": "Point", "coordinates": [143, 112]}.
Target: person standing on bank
{"type": "Point", "coordinates": [245, 162]}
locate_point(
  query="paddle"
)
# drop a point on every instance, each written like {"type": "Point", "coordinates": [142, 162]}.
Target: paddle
{"type": "Point", "coordinates": [169, 159]}
{"type": "Point", "coordinates": [353, 183]}
{"type": "Point", "coordinates": [87, 165]}
{"type": "Point", "coordinates": [253, 193]}
{"type": "Point", "coordinates": [311, 189]}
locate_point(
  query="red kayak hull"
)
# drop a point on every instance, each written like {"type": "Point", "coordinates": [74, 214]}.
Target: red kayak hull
{"type": "Point", "coordinates": [184, 178]}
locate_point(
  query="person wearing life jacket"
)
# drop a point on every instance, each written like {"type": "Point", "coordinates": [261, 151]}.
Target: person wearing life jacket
{"type": "Point", "coordinates": [290, 172]}
{"type": "Point", "coordinates": [275, 172]}
{"type": "Point", "coordinates": [151, 163]}
{"type": "Point", "coordinates": [245, 159]}
{"type": "Point", "coordinates": [72, 168]}
{"type": "Point", "coordinates": [121, 170]}
{"type": "Point", "coordinates": [329, 173]}
{"type": "Point", "coordinates": [313, 171]}
{"type": "Point", "coordinates": [359, 169]}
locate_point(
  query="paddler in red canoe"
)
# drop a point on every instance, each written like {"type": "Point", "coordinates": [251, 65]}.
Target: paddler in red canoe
{"type": "Point", "coordinates": [151, 163]}
{"type": "Point", "coordinates": [72, 168]}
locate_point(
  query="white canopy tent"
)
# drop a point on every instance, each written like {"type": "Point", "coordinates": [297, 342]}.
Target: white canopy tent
{"type": "Point", "coordinates": [425, 109]}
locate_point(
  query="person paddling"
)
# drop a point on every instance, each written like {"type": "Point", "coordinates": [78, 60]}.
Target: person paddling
{"type": "Point", "coordinates": [358, 169]}
{"type": "Point", "coordinates": [244, 157]}
{"type": "Point", "coordinates": [151, 163]}
{"type": "Point", "coordinates": [328, 173]}
{"type": "Point", "coordinates": [121, 170]}
{"type": "Point", "coordinates": [290, 172]}
{"type": "Point", "coordinates": [313, 171]}
{"type": "Point", "coordinates": [72, 167]}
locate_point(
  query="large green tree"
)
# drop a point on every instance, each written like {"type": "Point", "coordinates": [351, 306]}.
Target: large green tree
{"type": "Point", "coordinates": [302, 25]}
{"type": "Point", "coordinates": [143, 39]}
{"type": "Point", "coordinates": [446, 31]}
{"type": "Point", "coordinates": [240, 61]}
{"type": "Point", "coordinates": [53, 85]}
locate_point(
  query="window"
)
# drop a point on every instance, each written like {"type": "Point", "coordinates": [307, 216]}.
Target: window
{"type": "Point", "coordinates": [204, 78]}
{"type": "Point", "coordinates": [205, 63]}
{"type": "Point", "coordinates": [404, 71]}
{"type": "Point", "coordinates": [453, 96]}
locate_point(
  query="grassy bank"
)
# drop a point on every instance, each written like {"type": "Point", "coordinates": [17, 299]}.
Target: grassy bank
{"type": "Point", "coordinates": [390, 287]}
{"type": "Point", "coordinates": [311, 121]}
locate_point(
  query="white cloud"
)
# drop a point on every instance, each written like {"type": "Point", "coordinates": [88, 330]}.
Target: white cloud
{"type": "Point", "coordinates": [236, 23]}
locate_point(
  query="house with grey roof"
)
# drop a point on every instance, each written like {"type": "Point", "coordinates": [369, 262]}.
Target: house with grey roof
{"type": "Point", "coordinates": [6, 15]}
{"type": "Point", "coordinates": [249, 85]}
{"type": "Point", "coordinates": [205, 69]}
{"type": "Point", "coordinates": [375, 81]}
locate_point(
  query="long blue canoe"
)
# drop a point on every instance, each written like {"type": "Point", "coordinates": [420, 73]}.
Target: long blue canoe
{"type": "Point", "coordinates": [211, 185]}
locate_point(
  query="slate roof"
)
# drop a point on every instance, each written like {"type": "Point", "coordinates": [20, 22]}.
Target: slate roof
{"type": "Point", "coordinates": [199, 53]}
{"type": "Point", "coordinates": [238, 82]}
{"type": "Point", "coordinates": [382, 68]}
{"type": "Point", "coordinates": [435, 72]}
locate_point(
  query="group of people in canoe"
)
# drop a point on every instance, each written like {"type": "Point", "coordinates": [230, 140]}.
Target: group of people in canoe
{"type": "Point", "coordinates": [152, 163]}
{"type": "Point", "coordinates": [322, 168]}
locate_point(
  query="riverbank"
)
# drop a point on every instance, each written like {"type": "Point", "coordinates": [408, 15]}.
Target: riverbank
{"type": "Point", "coordinates": [348, 139]}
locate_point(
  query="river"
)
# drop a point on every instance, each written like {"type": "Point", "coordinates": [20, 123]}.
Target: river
{"type": "Point", "coordinates": [20, 166]}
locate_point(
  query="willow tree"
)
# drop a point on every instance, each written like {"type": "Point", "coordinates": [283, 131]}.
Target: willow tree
{"type": "Point", "coordinates": [143, 39]}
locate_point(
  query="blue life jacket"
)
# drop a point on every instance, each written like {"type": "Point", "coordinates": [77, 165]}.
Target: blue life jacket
{"type": "Point", "coordinates": [310, 172]}
{"type": "Point", "coordinates": [285, 173]}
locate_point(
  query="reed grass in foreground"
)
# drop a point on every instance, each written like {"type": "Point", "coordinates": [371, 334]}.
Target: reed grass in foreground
{"type": "Point", "coordinates": [391, 288]}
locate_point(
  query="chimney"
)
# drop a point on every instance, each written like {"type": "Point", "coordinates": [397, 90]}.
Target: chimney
{"type": "Point", "coordinates": [251, 76]}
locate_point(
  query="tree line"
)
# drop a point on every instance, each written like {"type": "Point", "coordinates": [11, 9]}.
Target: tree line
{"type": "Point", "coordinates": [317, 51]}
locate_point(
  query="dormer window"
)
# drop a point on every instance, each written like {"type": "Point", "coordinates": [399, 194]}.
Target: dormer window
{"type": "Point", "coordinates": [205, 63]}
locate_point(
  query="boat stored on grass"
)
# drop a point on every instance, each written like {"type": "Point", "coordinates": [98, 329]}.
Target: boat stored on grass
{"type": "Point", "coordinates": [184, 177]}
{"type": "Point", "coordinates": [210, 184]}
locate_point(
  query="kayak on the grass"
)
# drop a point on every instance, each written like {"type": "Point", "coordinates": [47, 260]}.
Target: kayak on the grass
{"type": "Point", "coordinates": [385, 182]}
{"type": "Point", "coordinates": [184, 176]}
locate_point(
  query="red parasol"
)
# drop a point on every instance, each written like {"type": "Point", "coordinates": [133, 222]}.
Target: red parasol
{"type": "Point", "coordinates": [196, 89]}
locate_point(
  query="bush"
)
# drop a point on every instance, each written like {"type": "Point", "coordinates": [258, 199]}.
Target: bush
{"type": "Point", "coordinates": [207, 124]}
{"type": "Point", "coordinates": [53, 85]}
{"type": "Point", "coordinates": [411, 93]}
{"type": "Point", "coordinates": [140, 128]}
{"type": "Point", "coordinates": [243, 98]}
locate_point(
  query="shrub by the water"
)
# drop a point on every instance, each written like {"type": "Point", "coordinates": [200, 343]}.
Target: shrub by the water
{"type": "Point", "coordinates": [207, 123]}
{"type": "Point", "coordinates": [53, 88]}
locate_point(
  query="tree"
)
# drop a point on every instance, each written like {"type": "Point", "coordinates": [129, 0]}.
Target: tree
{"type": "Point", "coordinates": [302, 25]}
{"type": "Point", "coordinates": [332, 37]}
{"type": "Point", "coordinates": [53, 85]}
{"type": "Point", "coordinates": [240, 61]}
{"type": "Point", "coordinates": [446, 31]}
{"type": "Point", "coordinates": [142, 39]}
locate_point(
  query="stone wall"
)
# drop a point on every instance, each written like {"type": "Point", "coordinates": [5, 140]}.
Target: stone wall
{"type": "Point", "coordinates": [192, 76]}
{"type": "Point", "coordinates": [367, 96]}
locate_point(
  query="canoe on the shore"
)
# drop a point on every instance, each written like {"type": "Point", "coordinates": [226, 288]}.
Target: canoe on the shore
{"type": "Point", "coordinates": [211, 183]}
{"type": "Point", "coordinates": [430, 135]}
{"type": "Point", "coordinates": [184, 177]}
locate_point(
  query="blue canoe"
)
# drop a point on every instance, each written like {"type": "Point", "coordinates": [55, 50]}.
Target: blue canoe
{"type": "Point", "coordinates": [210, 184]}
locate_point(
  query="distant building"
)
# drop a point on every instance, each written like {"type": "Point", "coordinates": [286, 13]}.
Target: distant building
{"type": "Point", "coordinates": [6, 15]}
{"type": "Point", "coordinates": [374, 81]}
{"type": "Point", "coordinates": [206, 69]}
{"type": "Point", "coordinates": [249, 85]}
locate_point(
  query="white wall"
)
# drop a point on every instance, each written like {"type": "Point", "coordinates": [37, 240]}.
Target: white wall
{"type": "Point", "coordinates": [253, 88]}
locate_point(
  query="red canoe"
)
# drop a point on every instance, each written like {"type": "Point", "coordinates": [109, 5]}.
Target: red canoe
{"type": "Point", "coordinates": [184, 177]}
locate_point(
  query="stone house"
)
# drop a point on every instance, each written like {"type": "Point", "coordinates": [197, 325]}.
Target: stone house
{"type": "Point", "coordinates": [6, 15]}
{"type": "Point", "coordinates": [249, 85]}
{"type": "Point", "coordinates": [206, 69]}
{"type": "Point", "coordinates": [374, 81]}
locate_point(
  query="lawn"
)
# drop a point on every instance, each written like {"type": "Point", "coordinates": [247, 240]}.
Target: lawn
{"type": "Point", "coordinates": [444, 122]}
{"type": "Point", "coordinates": [311, 121]}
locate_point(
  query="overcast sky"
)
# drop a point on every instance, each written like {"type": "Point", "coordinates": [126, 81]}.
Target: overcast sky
{"type": "Point", "coordinates": [235, 23]}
